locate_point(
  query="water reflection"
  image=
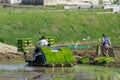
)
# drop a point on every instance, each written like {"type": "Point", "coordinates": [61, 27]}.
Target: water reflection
{"type": "Point", "coordinates": [78, 72]}
{"type": "Point", "coordinates": [11, 67]}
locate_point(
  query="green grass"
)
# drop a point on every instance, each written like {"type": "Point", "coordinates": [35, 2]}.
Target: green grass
{"type": "Point", "coordinates": [64, 26]}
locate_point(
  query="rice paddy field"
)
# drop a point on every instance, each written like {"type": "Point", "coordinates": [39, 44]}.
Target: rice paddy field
{"type": "Point", "coordinates": [78, 72]}
{"type": "Point", "coordinates": [68, 27]}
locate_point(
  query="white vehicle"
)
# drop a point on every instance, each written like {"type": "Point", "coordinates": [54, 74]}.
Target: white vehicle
{"type": "Point", "coordinates": [115, 8]}
{"type": "Point", "coordinates": [85, 4]}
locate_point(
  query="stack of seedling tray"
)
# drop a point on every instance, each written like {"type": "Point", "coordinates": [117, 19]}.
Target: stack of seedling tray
{"type": "Point", "coordinates": [99, 60]}
{"type": "Point", "coordinates": [51, 40]}
{"type": "Point", "coordinates": [63, 55]}
{"type": "Point", "coordinates": [23, 44]}
{"type": "Point", "coordinates": [104, 59]}
{"type": "Point", "coordinates": [84, 59]}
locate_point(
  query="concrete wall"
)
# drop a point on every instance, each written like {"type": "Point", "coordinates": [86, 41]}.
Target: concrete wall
{"type": "Point", "coordinates": [50, 2]}
{"type": "Point", "coordinates": [68, 2]}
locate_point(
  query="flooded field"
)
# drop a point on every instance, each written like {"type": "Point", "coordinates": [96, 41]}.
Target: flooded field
{"type": "Point", "coordinates": [77, 72]}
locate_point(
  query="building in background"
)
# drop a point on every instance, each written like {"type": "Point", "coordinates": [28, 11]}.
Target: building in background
{"type": "Point", "coordinates": [66, 2]}
{"type": "Point", "coordinates": [14, 1]}
{"type": "Point", "coordinates": [56, 2]}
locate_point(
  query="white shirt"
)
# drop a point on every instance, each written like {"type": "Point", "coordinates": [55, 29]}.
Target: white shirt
{"type": "Point", "coordinates": [42, 42]}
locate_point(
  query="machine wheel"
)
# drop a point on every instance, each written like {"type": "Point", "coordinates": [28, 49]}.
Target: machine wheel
{"type": "Point", "coordinates": [38, 60]}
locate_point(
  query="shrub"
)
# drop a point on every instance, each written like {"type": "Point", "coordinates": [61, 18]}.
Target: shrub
{"type": "Point", "coordinates": [2, 40]}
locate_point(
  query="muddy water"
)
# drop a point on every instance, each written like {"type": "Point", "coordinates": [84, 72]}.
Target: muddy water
{"type": "Point", "coordinates": [77, 72]}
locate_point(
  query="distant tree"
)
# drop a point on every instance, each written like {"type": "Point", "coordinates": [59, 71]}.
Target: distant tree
{"type": "Point", "coordinates": [100, 1]}
{"type": "Point", "coordinates": [115, 1]}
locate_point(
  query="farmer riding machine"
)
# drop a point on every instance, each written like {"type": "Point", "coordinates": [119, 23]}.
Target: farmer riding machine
{"type": "Point", "coordinates": [51, 55]}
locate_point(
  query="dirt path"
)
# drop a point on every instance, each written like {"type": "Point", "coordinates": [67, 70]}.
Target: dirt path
{"type": "Point", "coordinates": [8, 52]}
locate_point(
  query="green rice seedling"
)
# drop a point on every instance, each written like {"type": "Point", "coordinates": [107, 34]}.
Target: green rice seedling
{"type": "Point", "coordinates": [55, 57]}
{"type": "Point", "coordinates": [58, 57]}
{"type": "Point", "coordinates": [62, 56]}
{"type": "Point", "coordinates": [51, 40]}
{"type": "Point", "coordinates": [63, 60]}
{"type": "Point", "coordinates": [104, 59]}
{"type": "Point", "coordinates": [84, 59]}
{"type": "Point", "coordinates": [23, 43]}
{"type": "Point", "coordinates": [47, 54]}
{"type": "Point", "coordinates": [57, 78]}
{"type": "Point", "coordinates": [25, 49]}
{"type": "Point", "coordinates": [29, 41]}
{"type": "Point", "coordinates": [103, 76]}
{"type": "Point", "coordinates": [99, 60]}
{"type": "Point", "coordinates": [108, 59]}
{"type": "Point", "coordinates": [67, 54]}
{"type": "Point", "coordinates": [52, 57]}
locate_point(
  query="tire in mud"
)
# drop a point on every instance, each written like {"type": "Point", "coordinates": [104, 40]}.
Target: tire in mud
{"type": "Point", "coordinates": [38, 60]}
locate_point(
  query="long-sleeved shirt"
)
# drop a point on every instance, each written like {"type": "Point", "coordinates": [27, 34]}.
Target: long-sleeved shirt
{"type": "Point", "coordinates": [106, 40]}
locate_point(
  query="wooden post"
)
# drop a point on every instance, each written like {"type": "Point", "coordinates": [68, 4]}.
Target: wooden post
{"type": "Point", "coordinates": [53, 65]}
{"type": "Point", "coordinates": [25, 57]}
{"type": "Point", "coordinates": [98, 50]}
{"type": "Point", "coordinates": [62, 65]}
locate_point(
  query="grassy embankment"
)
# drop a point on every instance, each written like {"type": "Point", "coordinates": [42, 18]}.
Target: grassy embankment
{"type": "Point", "coordinates": [65, 26]}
